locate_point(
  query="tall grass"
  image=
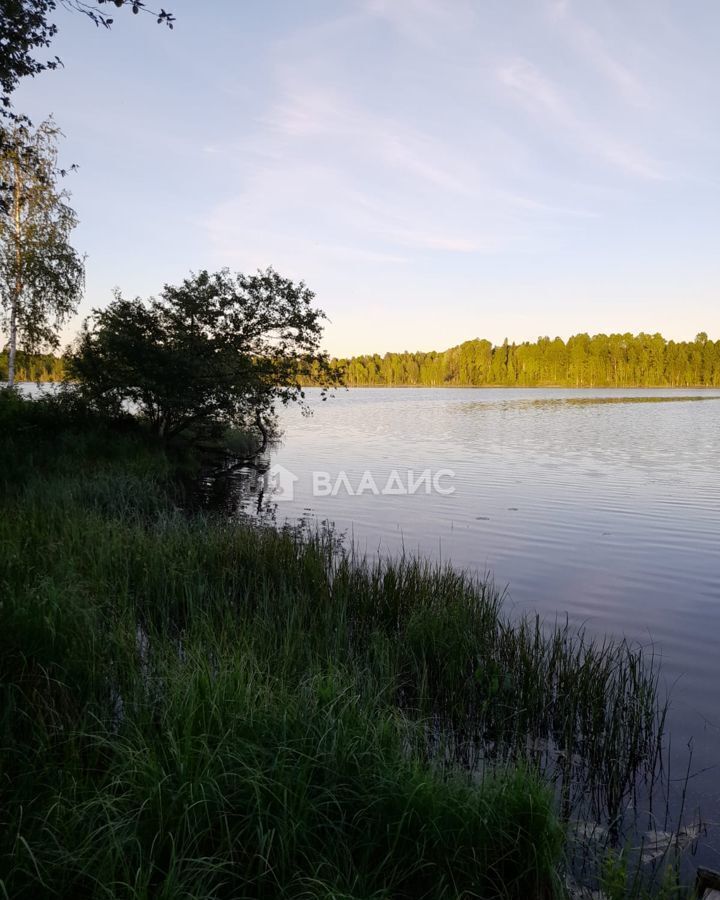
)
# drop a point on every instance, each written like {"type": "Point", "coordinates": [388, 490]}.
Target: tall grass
{"type": "Point", "coordinates": [194, 708]}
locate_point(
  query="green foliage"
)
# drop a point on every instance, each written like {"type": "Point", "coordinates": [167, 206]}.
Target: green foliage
{"type": "Point", "coordinates": [619, 880]}
{"type": "Point", "coordinates": [24, 28]}
{"type": "Point", "coordinates": [219, 350]}
{"type": "Point", "coordinates": [41, 274]}
{"type": "Point", "coordinates": [616, 360]}
{"type": "Point", "coordinates": [229, 784]}
{"type": "Point", "coordinates": [57, 434]}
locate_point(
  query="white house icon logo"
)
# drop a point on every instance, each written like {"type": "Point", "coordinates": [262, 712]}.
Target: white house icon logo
{"type": "Point", "coordinates": [280, 482]}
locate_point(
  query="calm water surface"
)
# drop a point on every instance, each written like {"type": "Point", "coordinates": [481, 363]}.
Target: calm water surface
{"type": "Point", "coordinates": [601, 505]}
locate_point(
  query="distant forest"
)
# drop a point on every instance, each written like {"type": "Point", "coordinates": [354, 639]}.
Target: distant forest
{"type": "Point", "coordinates": [615, 360]}
{"type": "Point", "coordinates": [35, 367]}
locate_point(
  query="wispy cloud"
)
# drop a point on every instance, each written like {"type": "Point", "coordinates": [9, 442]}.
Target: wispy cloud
{"type": "Point", "coordinates": [320, 113]}
{"type": "Point", "coordinates": [472, 161]}
{"type": "Point", "coordinates": [383, 182]}
{"type": "Point", "coordinates": [534, 89]}
{"type": "Point", "coordinates": [428, 23]}
{"type": "Point", "coordinates": [542, 99]}
{"type": "Point", "coordinates": [592, 48]}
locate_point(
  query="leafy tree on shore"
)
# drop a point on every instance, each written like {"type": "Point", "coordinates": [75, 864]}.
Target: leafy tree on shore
{"type": "Point", "coordinates": [216, 351]}
{"type": "Point", "coordinates": [41, 274]}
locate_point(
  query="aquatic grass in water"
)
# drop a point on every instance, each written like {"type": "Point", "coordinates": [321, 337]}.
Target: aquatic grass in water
{"type": "Point", "coordinates": [229, 784]}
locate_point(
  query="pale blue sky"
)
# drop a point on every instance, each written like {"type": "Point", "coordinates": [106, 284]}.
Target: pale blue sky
{"type": "Point", "coordinates": [435, 170]}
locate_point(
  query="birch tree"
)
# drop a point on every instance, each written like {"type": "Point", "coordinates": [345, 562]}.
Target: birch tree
{"type": "Point", "coordinates": [41, 274]}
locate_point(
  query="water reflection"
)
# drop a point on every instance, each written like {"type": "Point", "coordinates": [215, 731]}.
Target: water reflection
{"type": "Point", "coordinates": [237, 492]}
{"type": "Point", "coordinates": [549, 403]}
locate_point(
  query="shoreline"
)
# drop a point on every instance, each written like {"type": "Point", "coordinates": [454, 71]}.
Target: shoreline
{"type": "Point", "coordinates": [233, 662]}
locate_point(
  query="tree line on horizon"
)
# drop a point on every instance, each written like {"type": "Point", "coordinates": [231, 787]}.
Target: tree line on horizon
{"type": "Point", "coordinates": [615, 360]}
{"type": "Point", "coordinates": [42, 367]}
{"type": "Point", "coordinates": [601, 360]}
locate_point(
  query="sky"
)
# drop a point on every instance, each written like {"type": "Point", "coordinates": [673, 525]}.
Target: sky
{"type": "Point", "coordinates": [435, 170]}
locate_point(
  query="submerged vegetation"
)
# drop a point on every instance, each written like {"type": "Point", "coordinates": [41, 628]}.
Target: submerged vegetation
{"type": "Point", "coordinates": [197, 708]}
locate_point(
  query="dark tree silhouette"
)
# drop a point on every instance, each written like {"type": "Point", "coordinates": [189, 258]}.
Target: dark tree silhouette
{"type": "Point", "coordinates": [216, 351]}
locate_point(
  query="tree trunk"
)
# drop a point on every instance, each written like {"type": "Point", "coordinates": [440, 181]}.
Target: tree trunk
{"type": "Point", "coordinates": [12, 345]}
{"type": "Point", "coordinates": [12, 350]}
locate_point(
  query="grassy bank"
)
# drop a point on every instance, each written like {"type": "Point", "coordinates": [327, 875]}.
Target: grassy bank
{"type": "Point", "coordinates": [193, 708]}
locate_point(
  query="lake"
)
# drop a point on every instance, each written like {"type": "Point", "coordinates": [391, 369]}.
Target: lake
{"type": "Point", "coordinates": [600, 505]}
